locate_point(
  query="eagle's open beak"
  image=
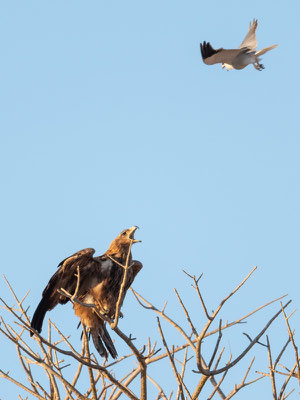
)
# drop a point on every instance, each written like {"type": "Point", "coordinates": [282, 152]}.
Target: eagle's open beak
{"type": "Point", "coordinates": [132, 231]}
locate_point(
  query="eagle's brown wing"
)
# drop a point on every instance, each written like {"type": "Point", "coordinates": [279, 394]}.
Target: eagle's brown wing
{"type": "Point", "coordinates": [135, 268]}
{"type": "Point", "coordinates": [65, 278]}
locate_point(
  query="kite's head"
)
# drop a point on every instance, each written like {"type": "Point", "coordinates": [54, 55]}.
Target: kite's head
{"type": "Point", "coordinates": [119, 247]}
{"type": "Point", "coordinates": [227, 66]}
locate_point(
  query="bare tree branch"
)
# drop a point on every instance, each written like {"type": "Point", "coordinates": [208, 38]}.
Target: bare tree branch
{"type": "Point", "coordinates": [291, 335]}
{"type": "Point", "coordinates": [234, 362]}
{"type": "Point", "coordinates": [57, 353]}
{"type": "Point", "coordinates": [237, 388]}
{"type": "Point", "coordinates": [272, 375]}
{"type": "Point", "coordinates": [180, 382]}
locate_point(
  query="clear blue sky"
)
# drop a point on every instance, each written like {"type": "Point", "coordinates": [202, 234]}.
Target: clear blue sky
{"type": "Point", "coordinates": [110, 119]}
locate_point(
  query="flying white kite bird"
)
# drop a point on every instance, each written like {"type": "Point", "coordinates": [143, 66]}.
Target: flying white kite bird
{"type": "Point", "coordinates": [236, 58]}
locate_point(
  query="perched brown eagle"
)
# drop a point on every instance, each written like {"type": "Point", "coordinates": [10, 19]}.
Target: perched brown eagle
{"type": "Point", "coordinates": [100, 281]}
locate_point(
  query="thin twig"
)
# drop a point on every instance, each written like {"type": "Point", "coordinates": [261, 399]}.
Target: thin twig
{"type": "Point", "coordinates": [291, 335]}
{"type": "Point", "coordinates": [237, 388]}
{"type": "Point", "coordinates": [171, 358]}
{"type": "Point", "coordinates": [186, 314]}
{"type": "Point", "coordinates": [161, 394]}
{"type": "Point", "coordinates": [272, 375]}
{"type": "Point", "coordinates": [122, 287]}
{"type": "Point", "coordinates": [17, 383]}
{"type": "Point", "coordinates": [91, 375]}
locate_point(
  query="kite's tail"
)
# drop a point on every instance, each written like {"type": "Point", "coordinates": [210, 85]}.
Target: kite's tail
{"type": "Point", "coordinates": [263, 51]}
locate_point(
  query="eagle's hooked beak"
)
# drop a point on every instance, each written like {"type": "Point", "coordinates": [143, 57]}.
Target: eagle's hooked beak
{"type": "Point", "coordinates": [132, 231]}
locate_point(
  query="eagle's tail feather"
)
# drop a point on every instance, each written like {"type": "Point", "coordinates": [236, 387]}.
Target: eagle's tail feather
{"type": "Point", "coordinates": [39, 315]}
{"type": "Point", "coordinates": [98, 343]}
{"type": "Point", "coordinates": [108, 342]}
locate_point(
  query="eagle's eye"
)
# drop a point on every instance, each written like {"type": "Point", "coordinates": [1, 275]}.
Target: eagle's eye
{"type": "Point", "coordinates": [124, 233]}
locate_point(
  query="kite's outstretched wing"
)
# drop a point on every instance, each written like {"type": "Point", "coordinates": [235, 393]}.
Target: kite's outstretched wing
{"type": "Point", "coordinates": [211, 56]}
{"type": "Point", "coordinates": [250, 40]}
